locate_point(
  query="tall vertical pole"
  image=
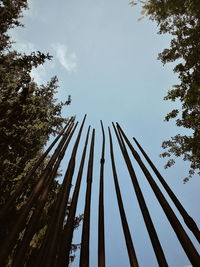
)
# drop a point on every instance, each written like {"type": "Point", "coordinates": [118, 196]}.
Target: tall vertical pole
{"type": "Point", "coordinates": [35, 217]}
{"type": "Point", "coordinates": [9, 243]}
{"type": "Point", "coordinates": [101, 232]}
{"type": "Point", "coordinates": [67, 234]}
{"type": "Point", "coordinates": [50, 225]}
{"type": "Point", "coordinates": [187, 218]}
{"type": "Point", "coordinates": [186, 243]}
{"type": "Point", "coordinates": [61, 206]}
{"type": "Point", "coordinates": [5, 210]}
{"type": "Point", "coordinates": [85, 240]}
{"type": "Point", "coordinates": [129, 243]}
{"type": "Point", "coordinates": [143, 207]}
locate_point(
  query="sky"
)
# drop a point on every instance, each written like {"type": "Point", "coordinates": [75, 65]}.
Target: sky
{"type": "Point", "coordinates": [107, 61]}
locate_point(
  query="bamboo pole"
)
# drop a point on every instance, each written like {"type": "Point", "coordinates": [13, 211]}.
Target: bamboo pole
{"type": "Point", "coordinates": [35, 218]}
{"type": "Point", "coordinates": [11, 239]}
{"type": "Point", "coordinates": [186, 217]}
{"type": "Point", "coordinates": [4, 212]}
{"type": "Point", "coordinates": [85, 241]}
{"type": "Point", "coordinates": [101, 232]}
{"type": "Point", "coordinates": [129, 243]}
{"type": "Point", "coordinates": [61, 206]}
{"type": "Point", "coordinates": [67, 234]}
{"type": "Point", "coordinates": [182, 236]}
{"type": "Point", "coordinates": [50, 226]}
{"type": "Point", "coordinates": [143, 207]}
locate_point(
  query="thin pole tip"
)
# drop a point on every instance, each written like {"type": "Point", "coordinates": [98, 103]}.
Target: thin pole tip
{"type": "Point", "coordinates": [118, 126]}
{"type": "Point", "coordinates": [85, 117]}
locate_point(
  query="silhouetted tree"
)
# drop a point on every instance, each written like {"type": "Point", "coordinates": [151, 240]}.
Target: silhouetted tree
{"type": "Point", "coordinates": [29, 115]}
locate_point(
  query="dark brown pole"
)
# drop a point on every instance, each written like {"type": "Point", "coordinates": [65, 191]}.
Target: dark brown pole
{"type": "Point", "coordinates": [6, 208]}
{"type": "Point", "coordinates": [129, 244]}
{"type": "Point", "coordinates": [101, 232]}
{"type": "Point", "coordinates": [11, 239]}
{"type": "Point", "coordinates": [47, 240]}
{"type": "Point", "coordinates": [61, 206]}
{"type": "Point", "coordinates": [188, 220]}
{"type": "Point", "coordinates": [186, 243]}
{"type": "Point", "coordinates": [65, 246]}
{"type": "Point", "coordinates": [143, 207]}
{"type": "Point", "coordinates": [85, 241]}
{"type": "Point", "coordinates": [35, 218]}
{"type": "Point", "coordinates": [20, 254]}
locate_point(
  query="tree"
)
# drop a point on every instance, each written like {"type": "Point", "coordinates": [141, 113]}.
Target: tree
{"type": "Point", "coordinates": [181, 19]}
{"type": "Point", "coordinates": [29, 115]}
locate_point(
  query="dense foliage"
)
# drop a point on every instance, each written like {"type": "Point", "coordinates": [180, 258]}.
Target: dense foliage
{"type": "Point", "coordinates": [29, 114]}
{"type": "Point", "coordinates": [181, 19]}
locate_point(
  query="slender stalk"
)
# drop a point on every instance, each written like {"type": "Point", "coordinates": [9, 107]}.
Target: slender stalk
{"type": "Point", "coordinates": [62, 201]}
{"type": "Point", "coordinates": [11, 239]}
{"type": "Point", "coordinates": [4, 212]}
{"type": "Point", "coordinates": [101, 232]}
{"type": "Point", "coordinates": [187, 218]}
{"type": "Point", "coordinates": [143, 207]}
{"type": "Point", "coordinates": [67, 234]}
{"type": "Point", "coordinates": [183, 238]}
{"type": "Point", "coordinates": [129, 243]}
{"type": "Point", "coordinates": [85, 241]}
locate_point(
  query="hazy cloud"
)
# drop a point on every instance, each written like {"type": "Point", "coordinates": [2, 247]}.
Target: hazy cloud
{"type": "Point", "coordinates": [66, 58]}
{"type": "Point", "coordinates": [24, 47]}
{"type": "Point", "coordinates": [39, 74]}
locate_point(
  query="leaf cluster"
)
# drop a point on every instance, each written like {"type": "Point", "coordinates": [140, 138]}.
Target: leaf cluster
{"type": "Point", "coordinates": [29, 115]}
{"type": "Point", "coordinates": [181, 19]}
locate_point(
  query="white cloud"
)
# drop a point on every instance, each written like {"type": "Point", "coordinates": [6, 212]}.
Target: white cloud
{"type": "Point", "coordinates": [39, 74]}
{"type": "Point", "coordinates": [67, 59]}
{"type": "Point", "coordinates": [24, 47]}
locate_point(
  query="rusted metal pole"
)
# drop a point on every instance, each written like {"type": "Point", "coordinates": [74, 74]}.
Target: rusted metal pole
{"type": "Point", "coordinates": [11, 239]}
{"type": "Point", "coordinates": [31, 228]}
{"type": "Point", "coordinates": [143, 207]}
{"type": "Point", "coordinates": [47, 240]}
{"type": "Point", "coordinates": [62, 205]}
{"type": "Point", "coordinates": [4, 212]}
{"type": "Point", "coordinates": [35, 218]}
{"type": "Point", "coordinates": [129, 243]}
{"type": "Point", "coordinates": [85, 241]}
{"type": "Point", "coordinates": [67, 234]}
{"type": "Point", "coordinates": [187, 218]}
{"type": "Point", "coordinates": [101, 232]}
{"type": "Point", "coordinates": [186, 243]}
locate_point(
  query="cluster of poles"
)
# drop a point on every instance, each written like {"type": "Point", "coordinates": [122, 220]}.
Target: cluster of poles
{"type": "Point", "coordinates": [55, 248]}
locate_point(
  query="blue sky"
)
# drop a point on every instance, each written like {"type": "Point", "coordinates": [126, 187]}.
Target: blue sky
{"type": "Point", "coordinates": [107, 61]}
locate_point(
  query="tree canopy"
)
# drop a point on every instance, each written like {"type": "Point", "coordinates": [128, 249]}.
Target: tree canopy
{"type": "Point", "coordinates": [181, 19]}
{"type": "Point", "coordinates": [29, 115]}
